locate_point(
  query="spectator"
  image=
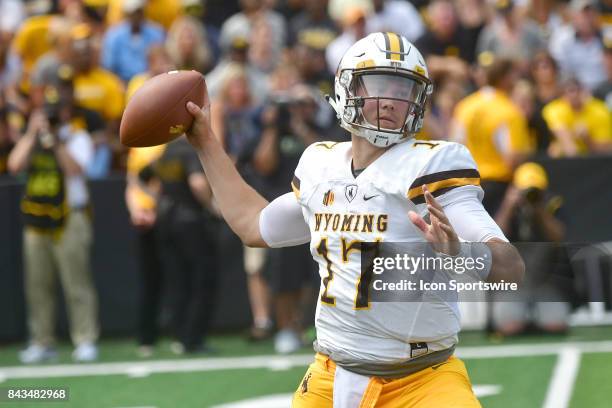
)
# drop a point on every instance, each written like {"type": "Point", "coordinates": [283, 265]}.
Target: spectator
{"type": "Point", "coordinates": [289, 127]}
{"type": "Point", "coordinates": [578, 49]}
{"type": "Point", "coordinates": [545, 75]}
{"type": "Point", "coordinates": [353, 28]}
{"type": "Point", "coordinates": [34, 37]}
{"type": "Point", "coordinates": [438, 116]}
{"type": "Point", "coordinates": [187, 236]}
{"type": "Point", "coordinates": [46, 68]}
{"type": "Point", "coordinates": [125, 47]}
{"type": "Point", "coordinates": [100, 91]}
{"type": "Point", "coordinates": [447, 46]}
{"type": "Point", "coordinates": [580, 123]}
{"type": "Point", "coordinates": [236, 118]}
{"type": "Point", "coordinates": [262, 54]}
{"type": "Point", "coordinates": [12, 14]}
{"type": "Point", "coordinates": [530, 213]}
{"type": "Point", "coordinates": [10, 65]}
{"type": "Point", "coordinates": [188, 45]}
{"type": "Point", "coordinates": [546, 15]}
{"type": "Point", "coordinates": [509, 35]}
{"type": "Point", "coordinates": [603, 91]}
{"type": "Point", "coordinates": [57, 233]}
{"type": "Point", "coordinates": [237, 54]}
{"type": "Point", "coordinates": [472, 14]}
{"type": "Point", "coordinates": [141, 203]}
{"type": "Point", "coordinates": [196, 9]}
{"type": "Point", "coordinates": [396, 16]}
{"type": "Point", "coordinates": [524, 96]}
{"type": "Point", "coordinates": [72, 10]}
{"type": "Point", "coordinates": [313, 25]}
{"type": "Point", "coordinates": [309, 57]}
{"type": "Point", "coordinates": [94, 15]}
{"type": "Point", "coordinates": [162, 12]}
{"type": "Point", "coordinates": [31, 41]}
{"type": "Point", "coordinates": [529, 195]}
{"type": "Point", "coordinates": [96, 88]}
{"type": "Point", "coordinates": [495, 131]}
{"type": "Point", "coordinates": [241, 24]}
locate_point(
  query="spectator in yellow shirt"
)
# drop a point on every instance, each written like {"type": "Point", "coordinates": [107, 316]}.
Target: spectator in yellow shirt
{"type": "Point", "coordinates": [96, 88]}
{"type": "Point", "coordinates": [31, 41]}
{"type": "Point", "coordinates": [163, 12]}
{"type": "Point", "coordinates": [495, 131]}
{"type": "Point", "coordinates": [580, 123]}
{"type": "Point", "coordinates": [101, 91]}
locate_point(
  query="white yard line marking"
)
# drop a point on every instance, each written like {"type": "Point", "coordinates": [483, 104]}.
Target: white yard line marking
{"type": "Point", "coordinates": [273, 362]}
{"type": "Point", "coordinates": [138, 407]}
{"type": "Point", "coordinates": [485, 390]}
{"type": "Point", "coordinates": [138, 368]}
{"type": "Point", "coordinates": [561, 385]}
{"type": "Point", "coordinates": [535, 349]}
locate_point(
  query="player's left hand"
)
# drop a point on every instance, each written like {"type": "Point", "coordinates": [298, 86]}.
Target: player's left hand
{"type": "Point", "coordinates": [440, 233]}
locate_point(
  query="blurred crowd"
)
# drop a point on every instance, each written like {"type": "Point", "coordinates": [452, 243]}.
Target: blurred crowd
{"type": "Point", "coordinates": [513, 80]}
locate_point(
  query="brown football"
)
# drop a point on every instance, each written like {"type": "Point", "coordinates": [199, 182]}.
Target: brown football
{"type": "Point", "coordinates": [157, 112]}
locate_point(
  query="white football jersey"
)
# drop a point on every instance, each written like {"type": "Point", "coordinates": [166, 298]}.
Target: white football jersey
{"type": "Point", "coordinates": [342, 211]}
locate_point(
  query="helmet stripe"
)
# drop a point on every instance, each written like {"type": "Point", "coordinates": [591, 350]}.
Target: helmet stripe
{"type": "Point", "coordinates": [395, 46]}
{"type": "Point", "coordinates": [387, 46]}
{"type": "Point", "coordinates": [401, 45]}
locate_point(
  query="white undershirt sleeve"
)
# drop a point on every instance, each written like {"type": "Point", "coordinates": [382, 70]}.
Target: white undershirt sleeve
{"type": "Point", "coordinates": [281, 223]}
{"type": "Point", "coordinates": [468, 217]}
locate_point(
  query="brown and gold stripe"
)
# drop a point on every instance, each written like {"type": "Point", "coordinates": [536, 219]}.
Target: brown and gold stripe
{"type": "Point", "coordinates": [442, 182]}
{"type": "Point", "coordinates": [328, 198]}
{"type": "Point", "coordinates": [394, 46]}
{"type": "Point", "coordinates": [295, 186]}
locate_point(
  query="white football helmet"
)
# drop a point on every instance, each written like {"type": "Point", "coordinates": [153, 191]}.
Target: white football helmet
{"type": "Point", "coordinates": [381, 86]}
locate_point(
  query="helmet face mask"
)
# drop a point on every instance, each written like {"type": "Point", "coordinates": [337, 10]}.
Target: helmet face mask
{"type": "Point", "coordinates": [381, 94]}
{"type": "Point", "coordinates": [385, 101]}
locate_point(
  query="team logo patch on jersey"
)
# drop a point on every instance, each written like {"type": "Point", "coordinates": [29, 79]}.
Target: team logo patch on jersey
{"type": "Point", "coordinates": [350, 192]}
{"type": "Point", "coordinates": [328, 198]}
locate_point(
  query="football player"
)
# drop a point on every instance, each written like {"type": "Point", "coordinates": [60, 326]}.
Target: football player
{"type": "Point", "coordinates": [380, 186]}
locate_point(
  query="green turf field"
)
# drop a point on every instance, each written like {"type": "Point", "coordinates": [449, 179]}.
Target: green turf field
{"type": "Point", "coordinates": [531, 371]}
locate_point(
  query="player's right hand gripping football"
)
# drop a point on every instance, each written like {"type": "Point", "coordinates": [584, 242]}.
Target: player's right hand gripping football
{"type": "Point", "coordinates": [200, 132]}
{"type": "Point", "coordinates": [440, 233]}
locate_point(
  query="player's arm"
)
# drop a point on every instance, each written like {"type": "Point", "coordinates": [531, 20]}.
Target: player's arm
{"type": "Point", "coordinates": [238, 203]}
{"type": "Point", "coordinates": [458, 212]}
{"type": "Point", "coordinates": [257, 222]}
{"type": "Point", "coordinates": [467, 218]}
{"type": "Point", "coordinates": [507, 263]}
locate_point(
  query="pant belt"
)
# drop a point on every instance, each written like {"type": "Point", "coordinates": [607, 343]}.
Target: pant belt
{"type": "Point", "coordinates": [390, 371]}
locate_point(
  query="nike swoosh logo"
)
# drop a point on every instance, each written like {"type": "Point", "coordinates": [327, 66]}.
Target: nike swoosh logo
{"type": "Point", "coordinates": [438, 365]}
{"type": "Point", "coordinates": [365, 198]}
{"type": "Point", "coordinates": [360, 55]}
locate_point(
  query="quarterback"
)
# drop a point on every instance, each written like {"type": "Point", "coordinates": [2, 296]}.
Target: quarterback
{"type": "Point", "coordinates": [383, 185]}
